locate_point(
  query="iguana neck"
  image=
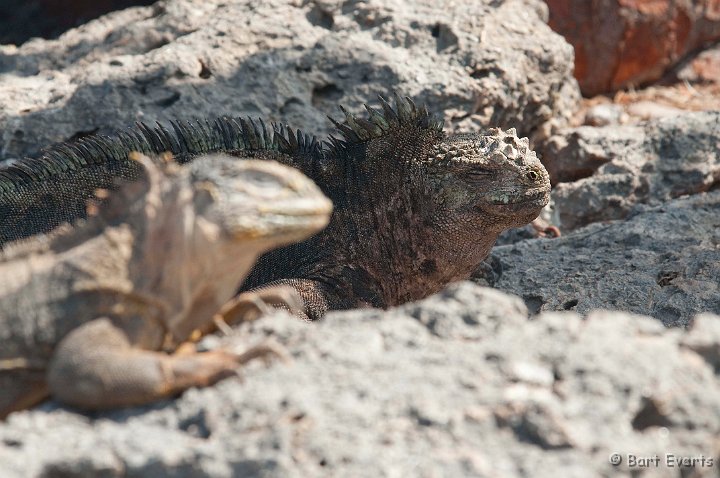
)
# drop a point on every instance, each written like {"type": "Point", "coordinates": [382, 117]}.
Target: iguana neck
{"type": "Point", "coordinates": [404, 249]}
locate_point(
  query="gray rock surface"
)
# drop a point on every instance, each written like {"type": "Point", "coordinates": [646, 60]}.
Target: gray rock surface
{"type": "Point", "coordinates": [484, 64]}
{"type": "Point", "coordinates": [460, 384]}
{"type": "Point", "coordinates": [614, 168]}
{"type": "Point", "coordinates": [578, 153]}
{"type": "Point", "coordinates": [604, 114]}
{"type": "Point", "coordinates": [663, 261]}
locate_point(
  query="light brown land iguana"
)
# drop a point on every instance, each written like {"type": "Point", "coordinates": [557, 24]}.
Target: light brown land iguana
{"type": "Point", "coordinates": [414, 208]}
{"type": "Point", "coordinates": [88, 312]}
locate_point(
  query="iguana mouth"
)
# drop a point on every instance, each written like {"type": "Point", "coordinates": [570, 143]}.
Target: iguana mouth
{"type": "Point", "coordinates": [292, 220]}
{"type": "Point", "coordinates": [505, 199]}
{"type": "Point", "coordinates": [536, 197]}
{"type": "Point", "coordinates": [300, 208]}
{"type": "Point", "coordinates": [285, 222]}
{"type": "Point", "coordinates": [286, 217]}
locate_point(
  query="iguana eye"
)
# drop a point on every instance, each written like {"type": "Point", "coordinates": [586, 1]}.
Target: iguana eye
{"type": "Point", "coordinates": [477, 173]}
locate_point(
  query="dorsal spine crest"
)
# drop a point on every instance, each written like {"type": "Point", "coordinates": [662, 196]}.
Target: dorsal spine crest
{"type": "Point", "coordinates": [186, 140]}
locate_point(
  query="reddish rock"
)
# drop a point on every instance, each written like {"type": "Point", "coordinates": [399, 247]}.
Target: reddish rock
{"type": "Point", "coordinates": [631, 42]}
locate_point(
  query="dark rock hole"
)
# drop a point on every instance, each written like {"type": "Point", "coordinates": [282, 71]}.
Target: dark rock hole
{"type": "Point", "coordinates": [528, 432]}
{"type": "Point", "coordinates": [169, 101]}
{"type": "Point", "coordinates": [12, 443]}
{"type": "Point", "coordinates": [326, 93]}
{"type": "Point", "coordinates": [650, 415]}
{"type": "Point", "coordinates": [445, 36]}
{"type": "Point", "coordinates": [290, 105]}
{"type": "Point", "coordinates": [205, 71]}
{"type": "Point", "coordinates": [665, 278]}
{"type": "Point", "coordinates": [196, 426]}
{"type": "Point", "coordinates": [570, 304]}
{"type": "Point", "coordinates": [321, 18]}
{"type": "Point", "coordinates": [534, 303]}
{"type": "Point", "coordinates": [483, 72]}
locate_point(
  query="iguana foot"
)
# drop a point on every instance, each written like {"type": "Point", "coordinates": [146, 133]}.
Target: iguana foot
{"type": "Point", "coordinates": [200, 369]}
{"type": "Point", "coordinates": [251, 305]}
{"type": "Point", "coordinates": [96, 367]}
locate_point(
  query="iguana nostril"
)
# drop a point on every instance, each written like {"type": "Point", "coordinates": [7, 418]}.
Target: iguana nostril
{"type": "Point", "coordinates": [532, 175]}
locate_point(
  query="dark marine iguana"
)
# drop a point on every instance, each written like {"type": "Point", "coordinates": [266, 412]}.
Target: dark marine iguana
{"type": "Point", "coordinates": [415, 209]}
{"type": "Point", "coordinates": [88, 311]}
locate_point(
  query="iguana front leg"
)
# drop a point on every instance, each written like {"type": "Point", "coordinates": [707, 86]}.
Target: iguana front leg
{"type": "Point", "coordinates": [96, 367]}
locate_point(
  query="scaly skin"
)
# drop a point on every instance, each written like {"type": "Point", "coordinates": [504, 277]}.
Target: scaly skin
{"type": "Point", "coordinates": [88, 313]}
{"type": "Point", "coordinates": [415, 209]}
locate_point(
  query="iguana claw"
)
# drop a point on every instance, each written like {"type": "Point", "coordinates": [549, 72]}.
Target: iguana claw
{"type": "Point", "coordinates": [267, 350]}
{"type": "Point", "coordinates": [251, 305]}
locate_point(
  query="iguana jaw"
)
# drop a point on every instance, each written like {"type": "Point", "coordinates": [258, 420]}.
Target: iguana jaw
{"type": "Point", "coordinates": [287, 222]}
{"type": "Point", "coordinates": [520, 210]}
{"type": "Point", "coordinates": [532, 198]}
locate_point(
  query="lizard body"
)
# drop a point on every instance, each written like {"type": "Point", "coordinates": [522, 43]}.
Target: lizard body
{"type": "Point", "coordinates": [89, 310]}
{"type": "Point", "coordinates": [414, 208]}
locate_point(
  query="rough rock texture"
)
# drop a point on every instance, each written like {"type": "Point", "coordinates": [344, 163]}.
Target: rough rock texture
{"type": "Point", "coordinates": [460, 384]}
{"type": "Point", "coordinates": [631, 42]}
{"type": "Point", "coordinates": [662, 261]}
{"type": "Point", "coordinates": [617, 167]}
{"type": "Point", "coordinates": [702, 68]}
{"type": "Point", "coordinates": [578, 153]}
{"type": "Point", "coordinates": [687, 89]}
{"type": "Point", "coordinates": [483, 65]}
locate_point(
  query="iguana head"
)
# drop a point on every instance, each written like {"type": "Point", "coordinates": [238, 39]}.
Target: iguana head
{"type": "Point", "coordinates": [257, 202]}
{"type": "Point", "coordinates": [199, 228]}
{"type": "Point", "coordinates": [426, 205]}
{"type": "Point", "coordinates": [488, 181]}
{"type": "Point", "coordinates": [493, 175]}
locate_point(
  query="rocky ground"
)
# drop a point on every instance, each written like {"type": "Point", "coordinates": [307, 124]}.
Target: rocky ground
{"type": "Point", "coordinates": [461, 384]}
{"type": "Point", "coordinates": [471, 382]}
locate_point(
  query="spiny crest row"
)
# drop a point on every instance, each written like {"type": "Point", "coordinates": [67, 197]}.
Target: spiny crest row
{"type": "Point", "coordinates": [357, 130]}
{"type": "Point", "coordinates": [186, 140]}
